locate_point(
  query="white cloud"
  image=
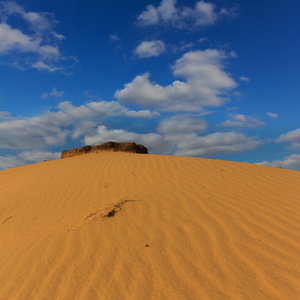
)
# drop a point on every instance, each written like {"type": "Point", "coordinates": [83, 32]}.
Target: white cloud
{"type": "Point", "coordinates": [184, 46]}
{"type": "Point", "coordinates": [48, 52]}
{"type": "Point", "coordinates": [38, 156]}
{"type": "Point", "coordinates": [292, 137]}
{"type": "Point", "coordinates": [10, 161]}
{"type": "Point", "coordinates": [150, 48]}
{"type": "Point", "coordinates": [13, 39]}
{"type": "Point", "coordinates": [291, 162]}
{"type": "Point", "coordinates": [142, 92]}
{"type": "Point", "coordinates": [4, 116]}
{"type": "Point", "coordinates": [39, 22]}
{"type": "Point", "coordinates": [53, 93]}
{"type": "Point", "coordinates": [272, 115]}
{"type": "Point", "coordinates": [206, 85]}
{"type": "Point", "coordinates": [40, 65]}
{"type": "Point", "coordinates": [35, 46]}
{"type": "Point", "coordinates": [153, 141]}
{"type": "Point", "coordinates": [58, 36]}
{"type": "Point", "coordinates": [295, 146]}
{"type": "Point", "coordinates": [53, 127]}
{"type": "Point", "coordinates": [182, 133]}
{"type": "Point", "coordinates": [167, 14]}
{"type": "Point", "coordinates": [181, 124]}
{"type": "Point", "coordinates": [214, 143]}
{"type": "Point", "coordinates": [205, 13]}
{"type": "Point", "coordinates": [244, 78]}
{"type": "Point", "coordinates": [240, 120]}
{"type": "Point", "coordinates": [102, 109]}
{"type": "Point", "coordinates": [32, 133]}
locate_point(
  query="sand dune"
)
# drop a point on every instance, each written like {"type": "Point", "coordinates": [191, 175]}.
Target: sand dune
{"type": "Point", "coordinates": [131, 226]}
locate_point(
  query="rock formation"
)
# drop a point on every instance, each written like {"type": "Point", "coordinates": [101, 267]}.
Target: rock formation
{"type": "Point", "coordinates": [108, 146]}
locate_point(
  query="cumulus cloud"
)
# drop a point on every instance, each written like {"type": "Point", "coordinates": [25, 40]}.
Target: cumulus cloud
{"type": "Point", "coordinates": [39, 22]}
{"type": "Point", "coordinates": [45, 67]}
{"type": "Point", "coordinates": [49, 52]}
{"type": "Point", "coordinates": [291, 162]}
{"type": "Point", "coordinates": [53, 93]}
{"type": "Point", "coordinates": [240, 120]}
{"type": "Point", "coordinates": [244, 78]}
{"type": "Point", "coordinates": [181, 124]}
{"type": "Point", "coordinates": [168, 14]}
{"type": "Point", "coordinates": [185, 134]}
{"type": "Point", "coordinates": [102, 109]}
{"type": "Point", "coordinates": [292, 137]}
{"type": "Point", "coordinates": [150, 48]}
{"type": "Point", "coordinates": [153, 141]}
{"type": "Point", "coordinates": [4, 115]}
{"type": "Point", "coordinates": [272, 115]}
{"type": "Point", "coordinates": [38, 156]}
{"type": "Point", "coordinates": [54, 127]}
{"type": "Point", "coordinates": [185, 46]}
{"type": "Point", "coordinates": [14, 39]}
{"type": "Point", "coordinates": [206, 85]}
{"type": "Point", "coordinates": [36, 132]}
{"type": "Point", "coordinates": [205, 13]}
{"type": "Point", "coordinates": [214, 144]}
{"type": "Point", "coordinates": [37, 47]}
{"type": "Point", "coordinates": [10, 161]}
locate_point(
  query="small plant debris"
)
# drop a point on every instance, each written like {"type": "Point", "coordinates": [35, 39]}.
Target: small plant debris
{"type": "Point", "coordinates": [108, 212]}
{"type": "Point", "coordinates": [111, 213]}
{"type": "Point", "coordinates": [116, 207]}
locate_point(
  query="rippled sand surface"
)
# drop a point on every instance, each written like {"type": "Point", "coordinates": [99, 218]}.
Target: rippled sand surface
{"type": "Point", "coordinates": [133, 226]}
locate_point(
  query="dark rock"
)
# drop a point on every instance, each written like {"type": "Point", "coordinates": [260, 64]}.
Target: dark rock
{"type": "Point", "coordinates": [108, 146]}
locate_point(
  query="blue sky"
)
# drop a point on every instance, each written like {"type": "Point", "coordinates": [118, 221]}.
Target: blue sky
{"type": "Point", "coordinates": [194, 78]}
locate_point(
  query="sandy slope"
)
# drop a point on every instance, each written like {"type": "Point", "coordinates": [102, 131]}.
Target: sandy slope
{"type": "Point", "coordinates": [131, 226]}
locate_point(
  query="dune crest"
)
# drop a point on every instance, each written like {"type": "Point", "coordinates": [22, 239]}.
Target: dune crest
{"type": "Point", "coordinates": [126, 226]}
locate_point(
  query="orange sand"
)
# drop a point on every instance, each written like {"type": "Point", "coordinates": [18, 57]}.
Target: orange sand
{"type": "Point", "coordinates": [191, 229]}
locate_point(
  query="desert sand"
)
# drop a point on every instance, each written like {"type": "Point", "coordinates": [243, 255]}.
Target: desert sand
{"type": "Point", "coordinates": [134, 226]}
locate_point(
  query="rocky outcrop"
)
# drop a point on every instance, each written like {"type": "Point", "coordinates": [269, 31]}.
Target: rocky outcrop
{"type": "Point", "coordinates": [108, 146]}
